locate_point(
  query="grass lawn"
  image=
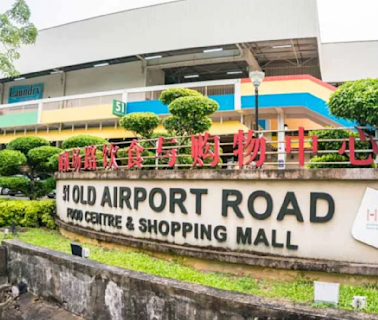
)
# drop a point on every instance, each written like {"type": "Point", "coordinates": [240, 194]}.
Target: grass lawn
{"type": "Point", "coordinates": [300, 290]}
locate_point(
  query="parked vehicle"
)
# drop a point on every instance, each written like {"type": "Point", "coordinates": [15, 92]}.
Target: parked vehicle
{"type": "Point", "coordinates": [4, 191]}
{"type": "Point", "coordinates": [52, 195]}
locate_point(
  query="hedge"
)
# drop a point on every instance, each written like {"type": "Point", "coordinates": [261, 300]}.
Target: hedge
{"type": "Point", "coordinates": [27, 213]}
{"type": "Point", "coordinates": [82, 141]}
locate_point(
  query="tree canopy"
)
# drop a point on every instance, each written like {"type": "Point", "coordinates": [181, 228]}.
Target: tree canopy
{"type": "Point", "coordinates": [190, 111]}
{"type": "Point", "coordinates": [15, 30]}
{"type": "Point", "coordinates": [25, 164]}
{"type": "Point", "coordinates": [141, 124]}
{"type": "Point", "coordinates": [356, 101]}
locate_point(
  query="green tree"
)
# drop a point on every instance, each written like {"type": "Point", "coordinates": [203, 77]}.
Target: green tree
{"type": "Point", "coordinates": [15, 30]}
{"type": "Point", "coordinates": [190, 111]}
{"type": "Point", "coordinates": [356, 101]}
{"type": "Point", "coordinates": [25, 163]}
{"type": "Point", "coordinates": [141, 124]}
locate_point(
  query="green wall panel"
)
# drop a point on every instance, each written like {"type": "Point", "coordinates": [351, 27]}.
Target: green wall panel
{"type": "Point", "coordinates": [19, 119]}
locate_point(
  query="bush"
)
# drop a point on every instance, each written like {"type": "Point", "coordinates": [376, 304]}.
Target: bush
{"type": "Point", "coordinates": [11, 162]}
{"type": "Point", "coordinates": [336, 145]}
{"type": "Point", "coordinates": [27, 213]}
{"type": "Point", "coordinates": [332, 157]}
{"type": "Point", "coordinates": [25, 144]}
{"type": "Point", "coordinates": [172, 94]}
{"type": "Point", "coordinates": [82, 141]}
{"type": "Point", "coordinates": [40, 157]}
{"type": "Point", "coordinates": [140, 124]}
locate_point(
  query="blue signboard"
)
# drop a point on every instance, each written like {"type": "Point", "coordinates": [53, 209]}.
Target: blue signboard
{"type": "Point", "coordinates": [25, 93]}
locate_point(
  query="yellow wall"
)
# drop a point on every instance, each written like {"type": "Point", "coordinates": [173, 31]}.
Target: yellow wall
{"type": "Point", "coordinates": [84, 114]}
{"type": "Point", "coordinates": [288, 86]}
{"type": "Point", "coordinates": [294, 124]}
{"type": "Point", "coordinates": [228, 127]}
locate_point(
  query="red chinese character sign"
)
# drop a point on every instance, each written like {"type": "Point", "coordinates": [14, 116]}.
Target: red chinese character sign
{"type": "Point", "coordinates": [64, 162]}
{"type": "Point", "coordinates": [352, 152]}
{"type": "Point", "coordinates": [205, 150]}
{"type": "Point", "coordinates": [205, 147]}
{"type": "Point", "coordinates": [249, 149]}
{"type": "Point", "coordinates": [301, 145]}
{"type": "Point", "coordinates": [170, 153]}
{"type": "Point", "coordinates": [90, 158]}
{"type": "Point", "coordinates": [109, 155]}
{"type": "Point", "coordinates": [135, 155]}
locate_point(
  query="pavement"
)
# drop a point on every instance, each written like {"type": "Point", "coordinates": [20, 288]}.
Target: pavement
{"type": "Point", "coordinates": [29, 307]}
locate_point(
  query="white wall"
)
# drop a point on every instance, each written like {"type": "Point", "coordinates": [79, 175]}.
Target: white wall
{"type": "Point", "coordinates": [120, 76]}
{"type": "Point", "coordinates": [52, 86]}
{"type": "Point", "coordinates": [349, 61]}
{"type": "Point", "coordinates": [172, 26]}
{"type": "Point", "coordinates": [115, 77]}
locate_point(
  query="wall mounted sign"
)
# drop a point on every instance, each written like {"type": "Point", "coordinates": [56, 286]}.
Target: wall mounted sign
{"type": "Point", "coordinates": [25, 93]}
{"type": "Point", "coordinates": [119, 108]}
{"type": "Point", "coordinates": [308, 219]}
{"type": "Point", "coordinates": [365, 227]}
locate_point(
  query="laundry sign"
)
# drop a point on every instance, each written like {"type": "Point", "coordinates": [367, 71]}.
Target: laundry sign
{"type": "Point", "coordinates": [25, 93]}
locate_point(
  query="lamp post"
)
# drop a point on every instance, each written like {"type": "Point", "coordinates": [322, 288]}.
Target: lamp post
{"type": "Point", "coordinates": [257, 78]}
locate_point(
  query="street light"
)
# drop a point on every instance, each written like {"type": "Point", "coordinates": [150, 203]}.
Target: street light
{"type": "Point", "coordinates": [257, 77]}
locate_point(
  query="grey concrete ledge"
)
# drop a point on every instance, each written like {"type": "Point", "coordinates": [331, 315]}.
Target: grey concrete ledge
{"type": "Point", "coordinates": [300, 174]}
{"type": "Point", "coordinates": [257, 260]}
{"type": "Point", "coordinates": [223, 304]}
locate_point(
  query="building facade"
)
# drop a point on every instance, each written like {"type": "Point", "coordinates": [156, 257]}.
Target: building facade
{"type": "Point", "coordinates": [70, 77]}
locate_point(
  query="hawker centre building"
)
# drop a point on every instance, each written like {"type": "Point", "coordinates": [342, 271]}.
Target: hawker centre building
{"type": "Point", "coordinates": [70, 77]}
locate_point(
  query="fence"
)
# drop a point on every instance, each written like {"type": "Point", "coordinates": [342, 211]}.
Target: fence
{"type": "Point", "coordinates": [243, 150]}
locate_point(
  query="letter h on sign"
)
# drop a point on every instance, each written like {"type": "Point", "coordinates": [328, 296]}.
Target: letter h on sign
{"type": "Point", "coordinates": [373, 215]}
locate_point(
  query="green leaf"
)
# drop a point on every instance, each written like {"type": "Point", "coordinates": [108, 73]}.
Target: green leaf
{"type": "Point", "coordinates": [11, 162]}
{"type": "Point", "coordinates": [25, 144]}
{"type": "Point", "coordinates": [141, 124]}
{"type": "Point", "coordinates": [15, 30]}
{"type": "Point", "coordinates": [82, 141]}
{"type": "Point", "coordinates": [356, 101]}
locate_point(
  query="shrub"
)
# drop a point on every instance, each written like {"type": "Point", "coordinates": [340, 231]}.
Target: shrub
{"type": "Point", "coordinates": [27, 213]}
{"type": "Point", "coordinates": [40, 157]}
{"type": "Point", "coordinates": [11, 162]}
{"type": "Point", "coordinates": [336, 145]}
{"type": "Point", "coordinates": [25, 144]}
{"type": "Point", "coordinates": [190, 111]}
{"type": "Point", "coordinates": [140, 124]}
{"type": "Point", "coordinates": [332, 157]}
{"type": "Point", "coordinates": [172, 94]}
{"type": "Point", "coordinates": [82, 141]}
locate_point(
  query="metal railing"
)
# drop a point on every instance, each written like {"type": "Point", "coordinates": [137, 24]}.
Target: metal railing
{"type": "Point", "coordinates": [243, 150]}
{"type": "Point", "coordinates": [207, 88]}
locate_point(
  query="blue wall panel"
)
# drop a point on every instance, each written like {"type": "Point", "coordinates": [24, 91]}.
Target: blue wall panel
{"type": "Point", "coordinates": [293, 100]}
{"type": "Point", "coordinates": [226, 102]}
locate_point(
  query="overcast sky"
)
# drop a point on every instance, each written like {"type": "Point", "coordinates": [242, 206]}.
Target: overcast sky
{"type": "Point", "coordinates": [340, 20]}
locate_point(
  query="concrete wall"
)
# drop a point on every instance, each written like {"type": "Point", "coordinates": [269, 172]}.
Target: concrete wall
{"type": "Point", "coordinates": [102, 292]}
{"type": "Point", "coordinates": [114, 77]}
{"type": "Point", "coordinates": [326, 239]}
{"type": "Point", "coordinates": [120, 76]}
